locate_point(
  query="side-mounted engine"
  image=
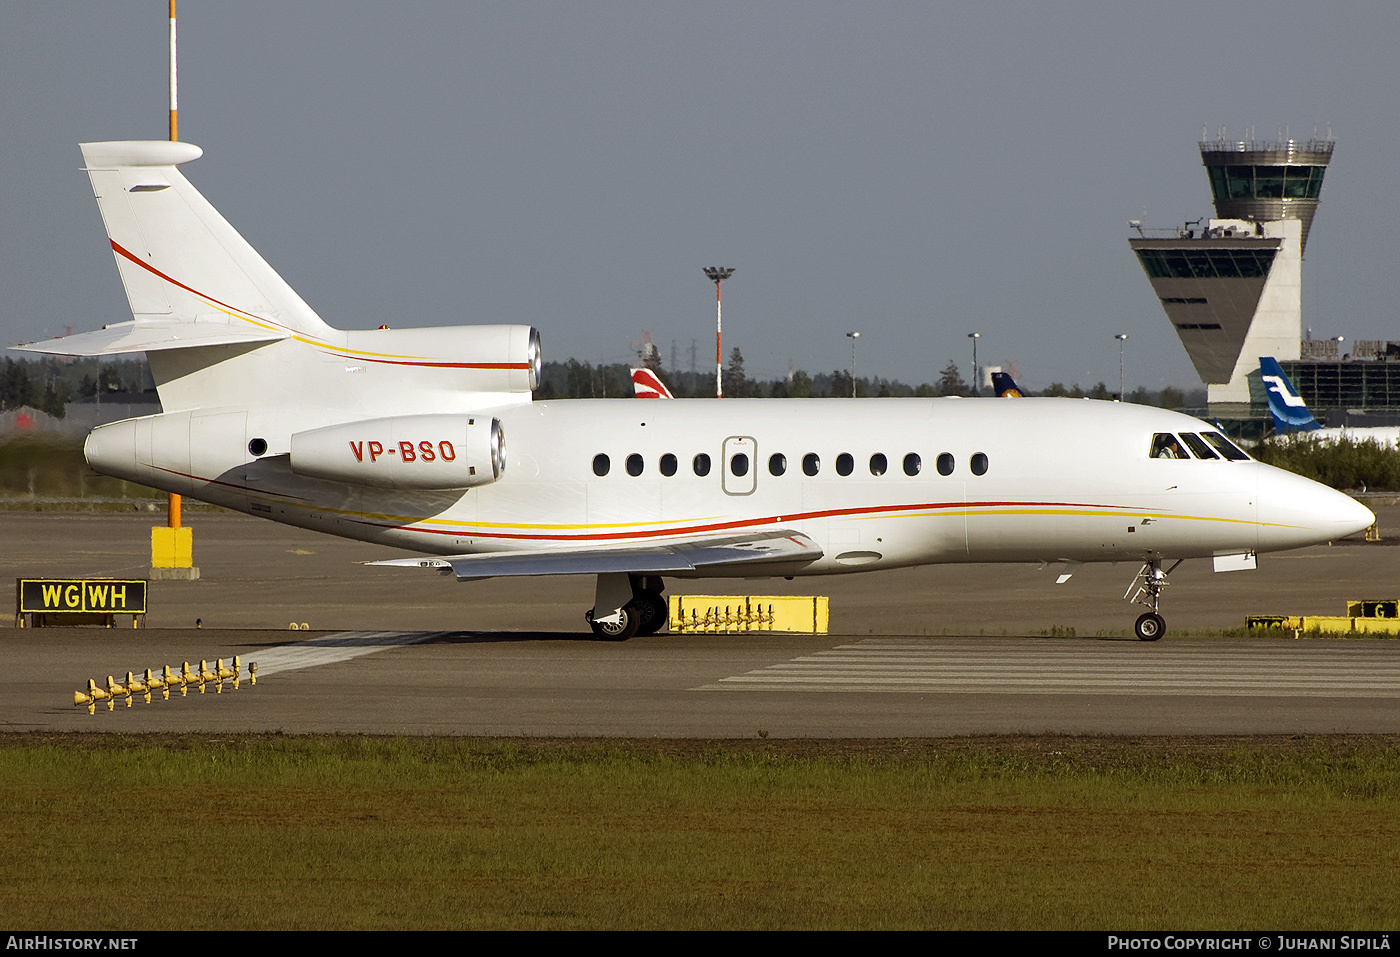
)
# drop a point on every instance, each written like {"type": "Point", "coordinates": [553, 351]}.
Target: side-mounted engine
{"type": "Point", "coordinates": [419, 452]}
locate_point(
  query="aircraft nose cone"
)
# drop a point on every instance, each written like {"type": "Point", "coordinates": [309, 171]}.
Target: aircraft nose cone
{"type": "Point", "coordinates": [1295, 511]}
{"type": "Point", "coordinates": [1349, 516]}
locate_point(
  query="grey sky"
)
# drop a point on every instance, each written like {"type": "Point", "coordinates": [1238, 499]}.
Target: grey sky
{"type": "Point", "coordinates": [916, 171]}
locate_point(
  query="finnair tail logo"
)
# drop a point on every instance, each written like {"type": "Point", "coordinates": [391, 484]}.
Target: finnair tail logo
{"type": "Point", "coordinates": [1279, 387]}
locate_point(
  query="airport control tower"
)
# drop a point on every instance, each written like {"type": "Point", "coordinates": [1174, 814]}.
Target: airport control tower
{"type": "Point", "coordinates": [1232, 288]}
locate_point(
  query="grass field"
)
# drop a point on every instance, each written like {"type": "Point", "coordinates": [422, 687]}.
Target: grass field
{"type": "Point", "coordinates": [267, 831]}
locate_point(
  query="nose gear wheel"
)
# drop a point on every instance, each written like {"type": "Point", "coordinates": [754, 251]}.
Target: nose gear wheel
{"type": "Point", "coordinates": [1146, 590]}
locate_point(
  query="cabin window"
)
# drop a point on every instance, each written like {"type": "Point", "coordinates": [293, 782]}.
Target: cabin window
{"type": "Point", "coordinates": [979, 463]}
{"type": "Point", "coordinates": [601, 465]}
{"type": "Point", "coordinates": [912, 463]}
{"type": "Point", "coordinates": [1198, 446]}
{"type": "Point", "coordinates": [634, 465]}
{"type": "Point", "coordinates": [1225, 447]}
{"type": "Point", "coordinates": [945, 463]}
{"type": "Point", "coordinates": [668, 465]}
{"type": "Point", "coordinates": [845, 465]}
{"type": "Point", "coordinates": [1165, 446]}
{"type": "Point", "coordinates": [739, 464]}
{"type": "Point", "coordinates": [811, 464]}
{"type": "Point", "coordinates": [878, 464]}
{"type": "Point", "coordinates": [777, 463]}
{"type": "Point", "coordinates": [701, 464]}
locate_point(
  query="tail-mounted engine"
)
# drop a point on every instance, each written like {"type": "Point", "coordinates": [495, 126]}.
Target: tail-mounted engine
{"type": "Point", "coordinates": [418, 452]}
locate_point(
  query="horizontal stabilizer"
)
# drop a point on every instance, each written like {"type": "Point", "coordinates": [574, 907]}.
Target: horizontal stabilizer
{"type": "Point", "coordinates": [148, 336]}
{"type": "Point", "coordinates": [712, 556]}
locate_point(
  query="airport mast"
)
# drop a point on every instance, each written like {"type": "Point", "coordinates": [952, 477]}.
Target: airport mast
{"type": "Point", "coordinates": [853, 336]}
{"type": "Point", "coordinates": [172, 510]}
{"type": "Point", "coordinates": [716, 275]}
{"type": "Point", "coordinates": [172, 547]}
{"type": "Point", "coordinates": [976, 373]}
{"type": "Point", "coordinates": [1122, 338]}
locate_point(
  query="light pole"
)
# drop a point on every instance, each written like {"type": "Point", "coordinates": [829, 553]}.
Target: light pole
{"type": "Point", "coordinates": [1339, 340]}
{"type": "Point", "coordinates": [717, 275]}
{"type": "Point", "coordinates": [1122, 337]}
{"type": "Point", "coordinates": [974, 336]}
{"type": "Point", "coordinates": [853, 336]}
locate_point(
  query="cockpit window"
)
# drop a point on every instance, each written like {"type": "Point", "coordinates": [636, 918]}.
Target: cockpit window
{"type": "Point", "coordinates": [1225, 447]}
{"type": "Point", "coordinates": [1165, 446]}
{"type": "Point", "coordinates": [1198, 446]}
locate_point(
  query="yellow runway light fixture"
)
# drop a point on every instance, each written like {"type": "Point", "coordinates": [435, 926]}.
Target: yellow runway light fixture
{"type": "Point", "coordinates": [167, 678]}
{"type": "Point", "coordinates": [714, 614]}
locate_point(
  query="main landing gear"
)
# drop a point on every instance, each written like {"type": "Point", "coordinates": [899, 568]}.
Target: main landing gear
{"type": "Point", "coordinates": [1149, 583]}
{"type": "Point", "coordinates": [616, 617]}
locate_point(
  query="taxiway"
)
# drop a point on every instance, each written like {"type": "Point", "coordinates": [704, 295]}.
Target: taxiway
{"type": "Point", "coordinates": [912, 653]}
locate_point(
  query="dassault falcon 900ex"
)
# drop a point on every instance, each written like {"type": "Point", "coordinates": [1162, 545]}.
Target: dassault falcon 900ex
{"type": "Point", "coordinates": [398, 436]}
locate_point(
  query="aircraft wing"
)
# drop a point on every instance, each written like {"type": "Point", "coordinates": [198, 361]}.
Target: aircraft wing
{"type": "Point", "coordinates": [148, 336]}
{"type": "Point", "coordinates": [714, 556]}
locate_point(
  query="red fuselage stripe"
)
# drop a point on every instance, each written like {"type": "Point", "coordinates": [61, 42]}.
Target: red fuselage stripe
{"type": "Point", "coordinates": [723, 526]}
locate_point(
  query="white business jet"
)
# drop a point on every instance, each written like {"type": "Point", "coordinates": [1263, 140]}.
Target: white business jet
{"type": "Point", "coordinates": [398, 436]}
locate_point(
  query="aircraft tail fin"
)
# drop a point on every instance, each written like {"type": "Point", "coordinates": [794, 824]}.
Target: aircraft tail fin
{"type": "Point", "coordinates": [190, 278]}
{"type": "Point", "coordinates": [648, 385]}
{"type": "Point", "coordinates": [1005, 386]}
{"type": "Point", "coordinates": [1285, 404]}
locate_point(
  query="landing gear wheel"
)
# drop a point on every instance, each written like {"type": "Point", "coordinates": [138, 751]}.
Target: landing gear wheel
{"type": "Point", "coordinates": [622, 629]}
{"type": "Point", "coordinates": [1150, 627]}
{"type": "Point", "coordinates": [652, 613]}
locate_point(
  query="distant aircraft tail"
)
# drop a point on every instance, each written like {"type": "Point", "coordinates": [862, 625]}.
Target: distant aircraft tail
{"type": "Point", "coordinates": [1285, 404]}
{"type": "Point", "coordinates": [1005, 386]}
{"type": "Point", "coordinates": [648, 385]}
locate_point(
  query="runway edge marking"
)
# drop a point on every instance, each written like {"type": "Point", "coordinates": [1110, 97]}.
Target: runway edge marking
{"type": "Point", "coordinates": [334, 648]}
{"type": "Point", "coordinates": [869, 668]}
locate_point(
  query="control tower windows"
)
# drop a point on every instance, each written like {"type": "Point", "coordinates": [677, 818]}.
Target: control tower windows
{"type": "Point", "coordinates": [1266, 182]}
{"type": "Point", "coordinates": [1206, 263]}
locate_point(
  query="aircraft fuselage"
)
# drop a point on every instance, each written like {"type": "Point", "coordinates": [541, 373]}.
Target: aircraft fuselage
{"type": "Point", "coordinates": [1026, 480]}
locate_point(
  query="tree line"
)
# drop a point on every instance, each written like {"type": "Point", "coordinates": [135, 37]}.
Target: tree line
{"type": "Point", "coordinates": [49, 384]}
{"type": "Point", "coordinates": [582, 380]}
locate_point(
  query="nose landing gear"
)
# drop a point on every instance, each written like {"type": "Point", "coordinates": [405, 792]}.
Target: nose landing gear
{"type": "Point", "coordinates": [1146, 590]}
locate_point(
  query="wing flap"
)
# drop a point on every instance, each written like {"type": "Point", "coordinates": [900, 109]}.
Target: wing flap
{"type": "Point", "coordinates": [714, 556]}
